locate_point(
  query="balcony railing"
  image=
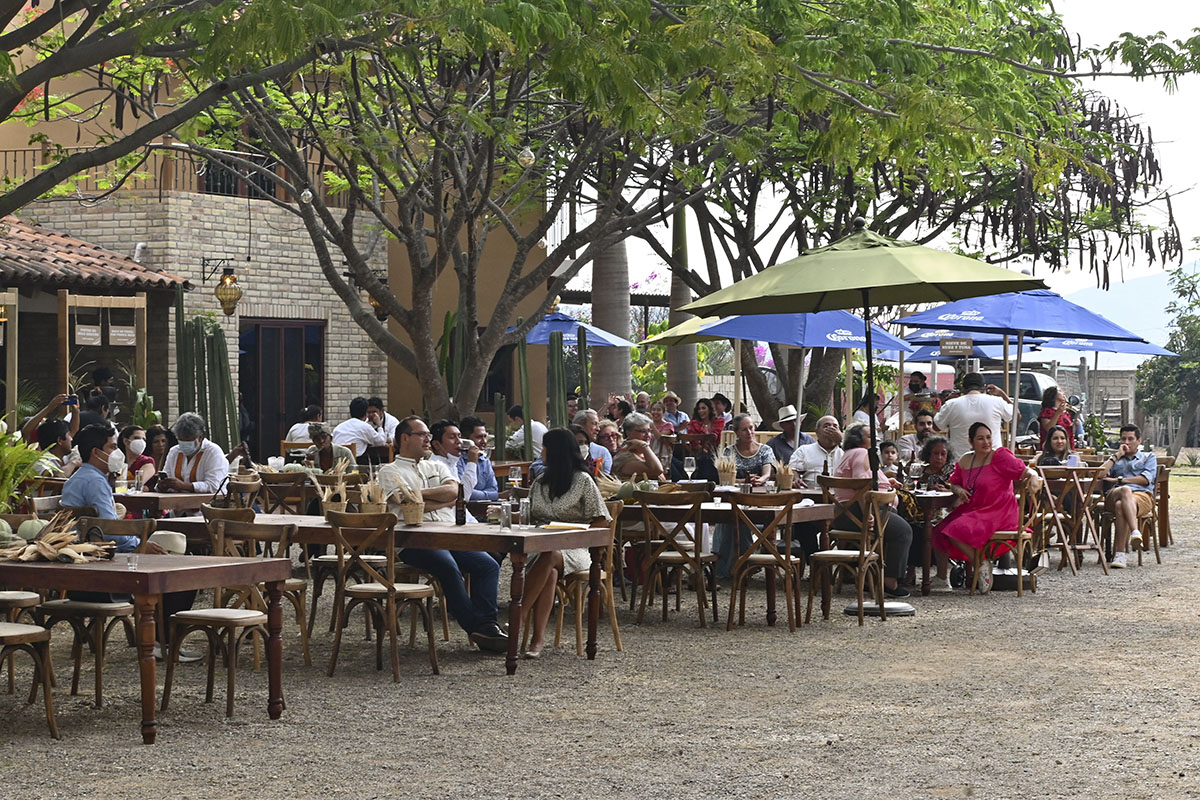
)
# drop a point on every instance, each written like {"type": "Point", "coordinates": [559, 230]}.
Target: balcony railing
{"type": "Point", "coordinates": [160, 172]}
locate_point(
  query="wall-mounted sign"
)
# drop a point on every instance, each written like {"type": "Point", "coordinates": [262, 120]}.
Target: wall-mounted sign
{"type": "Point", "coordinates": [122, 335]}
{"type": "Point", "coordinates": [87, 335]}
{"type": "Point", "coordinates": [956, 346]}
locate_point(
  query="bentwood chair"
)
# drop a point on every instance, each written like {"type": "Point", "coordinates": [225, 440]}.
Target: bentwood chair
{"type": "Point", "coordinates": [1019, 540]}
{"type": "Point", "coordinates": [856, 544]}
{"type": "Point", "coordinates": [381, 596]}
{"type": "Point", "coordinates": [34, 640]}
{"type": "Point", "coordinates": [283, 492]}
{"type": "Point", "coordinates": [226, 627]}
{"type": "Point", "coordinates": [765, 553]}
{"type": "Point", "coordinates": [92, 621]}
{"type": "Point", "coordinates": [15, 603]}
{"type": "Point", "coordinates": [670, 552]}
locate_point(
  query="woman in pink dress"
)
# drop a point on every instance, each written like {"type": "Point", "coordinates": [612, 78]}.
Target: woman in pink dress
{"type": "Point", "coordinates": [982, 483]}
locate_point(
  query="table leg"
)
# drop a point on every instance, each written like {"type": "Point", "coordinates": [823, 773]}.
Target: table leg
{"type": "Point", "coordinates": [515, 611]}
{"type": "Point", "coordinates": [770, 596]}
{"type": "Point", "coordinates": [928, 555]}
{"type": "Point", "coordinates": [144, 605]}
{"type": "Point", "coordinates": [594, 600]}
{"type": "Point", "coordinates": [1164, 514]}
{"type": "Point", "coordinates": [275, 650]}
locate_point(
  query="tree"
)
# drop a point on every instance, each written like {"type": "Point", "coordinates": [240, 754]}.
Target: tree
{"type": "Point", "coordinates": [114, 69]}
{"type": "Point", "coordinates": [457, 123]}
{"type": "Point", "coordinates": [1169, 385]}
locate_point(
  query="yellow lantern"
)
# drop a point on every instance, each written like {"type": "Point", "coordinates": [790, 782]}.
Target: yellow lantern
{"type": "Point", "coordinates": [228, 292]}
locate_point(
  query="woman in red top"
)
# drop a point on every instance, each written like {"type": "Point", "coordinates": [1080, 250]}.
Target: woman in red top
{"type": "Point", "coordinates": [132, 442]}
{"type": "Point", "coordinates": [704, 418]}
{"type": "Point", "coordinates": [1054, 412]}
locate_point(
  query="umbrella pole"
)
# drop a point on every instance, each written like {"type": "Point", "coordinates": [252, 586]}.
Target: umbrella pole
{"type": "Point", "coordinates": [1006, 357]}
{"type": "Point", "coordinates": [737, 377]}
{"type": "Point", "coordinates": [848, 394]}
{"type": "Point", "coordinates": [800, 394]}
{"type": "Point", "coordinates": [900, 392]}
{"type": "Point", "coordinates": [872, 452]}
{"type": "Point", "coordinates": [1016, 397]}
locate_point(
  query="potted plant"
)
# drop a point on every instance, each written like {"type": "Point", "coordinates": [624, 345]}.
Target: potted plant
{"type": "Point", "coordinates": [18, 466]}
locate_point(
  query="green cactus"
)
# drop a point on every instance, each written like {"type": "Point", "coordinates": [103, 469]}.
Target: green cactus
{"type": "Point", "coordinates": [583, 369]}
{"type": "Point", "coordinates": [558, 382]}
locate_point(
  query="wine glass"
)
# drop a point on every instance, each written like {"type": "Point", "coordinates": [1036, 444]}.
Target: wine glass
{"type": "Point", "coordinates": [689, 466]}
{"type": "Point", "coordinates": [915, 469]}
{"type": "Point", "coordinates": [514, 476]}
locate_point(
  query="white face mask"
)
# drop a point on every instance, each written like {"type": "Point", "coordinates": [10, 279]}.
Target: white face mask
{"type": "Point", "coordinates": [189, 448]}
{"type": "Point", "coordinates": [585, 451]}
{"type": "Point", "coordinates": [116, 462]}
{"type": "Point", "coordinates": [137, 446]}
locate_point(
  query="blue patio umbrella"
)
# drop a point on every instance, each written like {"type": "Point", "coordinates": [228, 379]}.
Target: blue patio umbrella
{"type": "Point", "coordinates": [569, 327]}
{"type": "Point", "coordinates": [930, 336]}
{"type": "Point", "coordinates": [836, 329]}
{"type": "Point", "coordinates": [933, 353]}
{"type": "Point", "coordinates": [1035, 312]}
{"type": "Point", "coordinates": [1107, 346]}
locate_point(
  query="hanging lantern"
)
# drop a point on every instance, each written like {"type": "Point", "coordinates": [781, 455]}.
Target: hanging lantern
{"type": "Point", "coordinates": [228, 292]}
{"type": "Point", "coordinates": [526, 157]}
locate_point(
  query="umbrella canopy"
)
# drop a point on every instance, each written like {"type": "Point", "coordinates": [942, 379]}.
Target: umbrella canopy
{"type": "Point", "coordinates": [835, 277]}
{"type": "Point", "coordinates": [862, 270]}
{"type": "Point", "coordinates": [836, 329]}
{"type": "Point", "coordinates": [933, 353]}
{"type": "Point", "coordinates": [569, 327]}
{"type": "Point", "coordinates": [1039, 312]}
{"type": "Point", "coordinates": [1107, 346]}
{"type": "Point", "coordinates": [932, 336]}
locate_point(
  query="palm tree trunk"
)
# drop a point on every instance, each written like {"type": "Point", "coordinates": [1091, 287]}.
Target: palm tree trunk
{"type": "Point", "coordinates": [610, 310]}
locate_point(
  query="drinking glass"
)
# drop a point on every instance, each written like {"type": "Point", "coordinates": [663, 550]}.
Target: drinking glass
{"type": "Point", "coordinates": [771, 486]}
{"type": "Point", "coordinates": [526, 513]}
{"type": "Point", "coordinates": [689, 466]}
{"type": "Point", "coordinates": [914, 472]}
{"type": "Point", "coordinates": [506, 516]}
{"type": "Point", "coordinates": [514, 476]}
{"type": "Point", "coordinates": [131, 562]}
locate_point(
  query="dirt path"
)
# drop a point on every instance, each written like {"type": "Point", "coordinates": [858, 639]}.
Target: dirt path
{"type": "Point", "coordinates": [1086, 689]}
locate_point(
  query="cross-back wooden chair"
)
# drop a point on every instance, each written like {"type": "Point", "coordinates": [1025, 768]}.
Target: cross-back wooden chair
{"type": "Point", "coordinates": [857, 550]}
{"type": "Point", "coordinates": [672, 551]}
{"type": "Point", "coordinates": [14, 602]}
{"type": "Point", "coordinates": [92, 621]}
{"type": "Point", "coordinates": [1020, 539]}
{"type": "Point", "coordinates": [226, 627]}
{"type": "Point", "coordinates": [381, 596]}
{"type": "Point", "coordinates": [765, 553]}
{"type": "Point", "coordinates": [243, 491]}
{"type": "Point", "coordinates": [283, 492]}
{"type": "Point", "coordinates": [34, 640]}
{"type": "Point", "coordinates": [1066, 509]}
{"type": "Point", "coordinates": [45, 506]}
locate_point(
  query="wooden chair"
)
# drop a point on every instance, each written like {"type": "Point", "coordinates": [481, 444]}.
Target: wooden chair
{"type": "Point", "coordinates": [285, 446]}
{"type": "Point", "coordinates": [225, 628]}
{"type": "Point", "coordinates": [283, 492]}
{"type": "Point", "coordinates": [1021, 539]}
{"type": "Point", "coordinates": [34, 640]}
{"type": "Point", "coordinates": [1148, 523]}
{"type": "Point", "coordinates": [243, 493]}
{"type": "Point", "coordinates": [15, 603]}
{"type": "Point", "coordinates": [865, 559]}
{"type": "Point", "coordinates": [45, 506]}
{"type": "Point", "coordinates": [382, 597]}
{"type": "Point", "coordinates": [91, 621]}
{"type": "Point", "coordinates": [764, 553]}
{"type": "Point", "coordinates": [1067, 511]}
{"type": "Point", "coordinates": [674, 551]}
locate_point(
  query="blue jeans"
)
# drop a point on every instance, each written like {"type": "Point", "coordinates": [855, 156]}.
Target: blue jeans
{"type": "Point", "coordinates": [727, 551]}
{"type": "Point", "coordinates": [473, 613]}
{"type": "Point", "coordinates": [125, 544]}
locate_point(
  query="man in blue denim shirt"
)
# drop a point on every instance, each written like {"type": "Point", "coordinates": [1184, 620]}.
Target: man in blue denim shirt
{"type": "Point", "coordinates": [89, 486]}
{"type": "Point", "coordinates": [485, 486]}
{"type": "Point", "coordinates": [1131, 477]}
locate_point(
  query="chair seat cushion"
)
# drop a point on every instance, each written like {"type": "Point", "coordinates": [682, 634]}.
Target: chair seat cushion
{"type": "Point", "coordinates": [221, 616]}
{"type": "Point", "coordinates": [674, 557]}
{"type": "Point", "coordinates": [16, 633]}
{"type": "Point", "coordinates": [840, 555]}
{"type": "Point", "coordinates": [13, 599]}
{"type": "Point", "coordinates": [86, 609]}
{"type": "Point", "coordinates": [766, 559]}
{"type": "Point", "coordinates": [373, 559]}
{"type": "Point", "coordinates": [408, 591]}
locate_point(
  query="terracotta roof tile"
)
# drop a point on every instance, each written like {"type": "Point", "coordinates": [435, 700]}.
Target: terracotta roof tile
{"type": "Point", "coordinates": [31, 255]}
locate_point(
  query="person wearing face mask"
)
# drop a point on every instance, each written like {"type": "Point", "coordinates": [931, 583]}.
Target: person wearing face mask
{"type": "Point", "coordinates": [132, 442]}
{"type": "Point", "coordinates": [89, 486]}
{"type": "Point", "coordinates": [195, 464]}
{"type": "Point", "coordinates": [919, 396]}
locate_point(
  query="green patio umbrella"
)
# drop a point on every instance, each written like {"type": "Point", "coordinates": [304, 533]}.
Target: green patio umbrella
{"type": "Point", "coordinates": [862, 270]}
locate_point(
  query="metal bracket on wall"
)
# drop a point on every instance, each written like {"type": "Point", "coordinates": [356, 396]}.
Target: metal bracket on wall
{"type": "Point", "coordinates": [217, 265]}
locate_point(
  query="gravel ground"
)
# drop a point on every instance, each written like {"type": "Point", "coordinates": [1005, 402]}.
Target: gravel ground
{"type": "Point", "coordinates": [1085, 689]}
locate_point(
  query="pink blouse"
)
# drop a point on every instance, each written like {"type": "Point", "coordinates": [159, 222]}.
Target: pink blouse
{"type": "Point", "coordinates": [856, 464]}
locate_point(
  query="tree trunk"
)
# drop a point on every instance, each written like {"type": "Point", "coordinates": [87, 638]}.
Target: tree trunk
{"type": "Point", "coordinates": [1185, 425]}
{"type": "Point", "coordinates": [682, 364]}
{"type": "Point", "coordinates": [818, 390]}
{"type": "Point", "coordinates": [611, 373]}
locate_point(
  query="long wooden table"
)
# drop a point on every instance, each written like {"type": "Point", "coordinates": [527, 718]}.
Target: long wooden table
{"type": "Point", "coordinates": [723, 512]}
{"type": "Point", "coordinates": [157, 502]}
{"type": "Point", "coordinates": [156, 575]}
{"type": "Point", "coordinates": [480, 537]}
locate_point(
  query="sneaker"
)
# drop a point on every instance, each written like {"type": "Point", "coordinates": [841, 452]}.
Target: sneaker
{"type": "Point", "coordinates": [984, 579]}
{"type": "Point", "coordinates": [899, 591]}
{"type": "Point", "coordinates": [1118, 561]}
{"type": "Point", "coordinates": [185, 656]}
{"type": "Point", "coordinates": [491, 639]}
{"type": "Point", "coordinates": [937, 584]}
{"type": "Point", "coordinates": [1135, 539]}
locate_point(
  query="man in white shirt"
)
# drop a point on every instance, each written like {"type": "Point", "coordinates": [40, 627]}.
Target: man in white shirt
{"type": "Point", "coordinates": [386, 420]}
{"type": "Point", "coordinates": [958, 415]}
{"type": "Point", "coordinates": [910, 444]}
{"type": "Point", "coordinates": [360, 431]}
{"type": "Point", "coordinates": [516, 416]}
{"type": "Point", "coordinates": [590, 421]}
{"type": "Point", "coordinates": [448, 449]}
{"type": "Point", "coordinates": [810, 460]}
{"type": "Point", "coordinates": [299, 431]}
{"type": "Point", "coordinates": [414, 468]}
{"type": "Point", "coordinates": [196, 464]}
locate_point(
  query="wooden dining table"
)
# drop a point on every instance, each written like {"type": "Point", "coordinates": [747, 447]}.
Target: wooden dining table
{"type": "Point", "coordinates": [157, 502]}
{"type": "Point", "coordinates": [518, 543]}
{"type": "Point", "coordinates": [155, 576]}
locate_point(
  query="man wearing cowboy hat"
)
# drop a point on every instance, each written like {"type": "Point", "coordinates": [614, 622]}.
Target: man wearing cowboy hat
{"type": "Point", "coordinates": [673, 415]}
{"type": "Point", "coordinates": [784, 444]}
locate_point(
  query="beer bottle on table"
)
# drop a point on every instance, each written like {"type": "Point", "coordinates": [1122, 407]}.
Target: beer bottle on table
{"type": "Point", "coordinates": [460, 508]}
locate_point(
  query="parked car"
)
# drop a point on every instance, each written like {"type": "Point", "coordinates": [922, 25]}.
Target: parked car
{"type": "Point", "coordinates": [1033, 386]}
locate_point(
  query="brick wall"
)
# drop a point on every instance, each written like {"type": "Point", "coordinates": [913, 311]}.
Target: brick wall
{"type": "Point", "coordinates": [281, 279]}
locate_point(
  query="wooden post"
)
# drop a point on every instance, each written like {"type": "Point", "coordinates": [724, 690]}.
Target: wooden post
{"type": "Point", "coordinates": [64, 341]}
{"type": "Point", "coordinates": [11, 344]}
{"type": "Point", "coordinates": [1124, 410]}
{"type": "Point", "coordinates": [848, 394]}
{"type": "Point", "coordinates": [139, 338]}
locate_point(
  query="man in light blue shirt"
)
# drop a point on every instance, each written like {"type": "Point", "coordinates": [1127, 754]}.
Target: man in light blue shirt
{"type": "Point", "coordinates": [1131, 477]}
{"type": "Point", "coordinates": [590, 421]}
{"type": "Point", "coordinates": [673, 415]}
{"type": "Point", "coordinates": [486, 487]}
{"type": "Point", "coordinates": [89, 486]}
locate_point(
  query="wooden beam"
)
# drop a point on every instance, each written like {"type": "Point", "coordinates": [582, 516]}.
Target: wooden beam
{"type": "Point", "coordinates": [89, 301]}
{"type": "Point", "coordinates": [11, 345]}
{"type": "Point", "coordinates": [64, 341]}
{"type": "Point", "coordinates": [139, 338]}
